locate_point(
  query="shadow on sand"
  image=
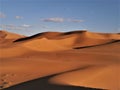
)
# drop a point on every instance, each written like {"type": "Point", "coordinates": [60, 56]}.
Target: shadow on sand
{"type": "Point", "coordinates": [114, 41]}
{"type": "Point", "coordinates": [43, 84]}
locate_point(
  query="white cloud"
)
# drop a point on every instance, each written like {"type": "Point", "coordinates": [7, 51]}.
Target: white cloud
{"type": "Point", "coordinates": [10, 27]}
{"type": "Point", "coordinates": [54, 19]}
{"type": "Point", "coordinates": [2, 15]}
{"type": "Point", "coordinates": [18, 17]}
{"type": "Point", "coordinates": [26, 25]}
{"type": "Point", "coordinates": [13, 27]}
{"type": "Point", "coordinates": [76, 20]}
{"type": "Point", "coordinates": [60, 20]}
{"type": "Point", "coordinates": [6, 26]}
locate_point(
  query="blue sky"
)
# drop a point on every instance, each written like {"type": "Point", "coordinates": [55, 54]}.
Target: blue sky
{"type": "Point", "coordinates": [33, 16]}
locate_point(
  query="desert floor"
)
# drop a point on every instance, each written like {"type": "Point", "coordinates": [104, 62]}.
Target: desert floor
{"type": "Point", "coordinates": [76, 60]}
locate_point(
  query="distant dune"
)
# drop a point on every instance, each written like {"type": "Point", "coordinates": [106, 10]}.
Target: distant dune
{"type": "Point", "coordinates": [75, 60]}
{"type": "Point", "coordinates": [7, 38]}
{"type": "Point", "coordinates": [8, 35]}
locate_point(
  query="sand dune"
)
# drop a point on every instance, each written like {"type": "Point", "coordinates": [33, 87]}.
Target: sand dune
{"type": "Point", "coordinates": [72, 59]}
{"type": "Point", "coordinates": [7, 38]}
{"type": "Point", "coordinates": [53, 41]}
{"type": "Point", "coordinates": [8, 35]}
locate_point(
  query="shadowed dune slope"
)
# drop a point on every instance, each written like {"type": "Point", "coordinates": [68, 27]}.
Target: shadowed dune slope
{"type": "Point", "coordinates": [42, 84]}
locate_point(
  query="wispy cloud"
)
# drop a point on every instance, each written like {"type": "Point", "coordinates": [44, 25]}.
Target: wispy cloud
{"type": "Point", "coordinates": [26, 25]}
{"type": "Point", "coordinates": [54, 19]}
{"type": "Point", "coordinates": [2, 15]}
{"type": "Point", "coordinates": [75, 20]}
{"type": "Point", "coordinates": [60, 20]}
{"type": "Point", "coordinates": [14, 27]}
{"type": "Point", "coordinates": [18, 17]}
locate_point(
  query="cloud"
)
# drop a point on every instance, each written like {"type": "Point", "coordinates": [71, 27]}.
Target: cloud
{"type": "Point", "coordinates": [14, 27]}
{"type": "Point", "coordinates": [6, 26]}
{"type": "Point", "coordinates": [2, 15]}
{"type": "Point", "coordinates": [18, 17]}
{"type": "Point", "coordinates": [26, 25]}
{"type": "Point", "coordinates": [54, 19]}
{"type": "Point", "coordinates": [76, 20]}
{"type": "Point", "coordinates": [10, 27]}
{"type": "Point", "coordinates": [60, 20]}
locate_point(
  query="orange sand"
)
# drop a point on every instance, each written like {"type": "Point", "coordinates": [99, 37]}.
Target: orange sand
{"type": "Point", "coordinates": [79, 58]}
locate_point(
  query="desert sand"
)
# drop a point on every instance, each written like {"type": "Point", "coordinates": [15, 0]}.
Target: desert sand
{"type": "Point", "coordinates": [75, 60]}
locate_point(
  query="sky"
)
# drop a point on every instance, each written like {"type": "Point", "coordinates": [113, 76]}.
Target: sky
{"type": "Point", "coordinates": [29, 17]}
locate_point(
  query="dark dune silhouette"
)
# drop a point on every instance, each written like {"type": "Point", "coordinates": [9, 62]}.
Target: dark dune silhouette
{"type": "Point", "coordinates": [73, 32]}
{"type": "Point", "coordinates": [27, 38]}
{"type": "Point", "coordinates": [43, 33]}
